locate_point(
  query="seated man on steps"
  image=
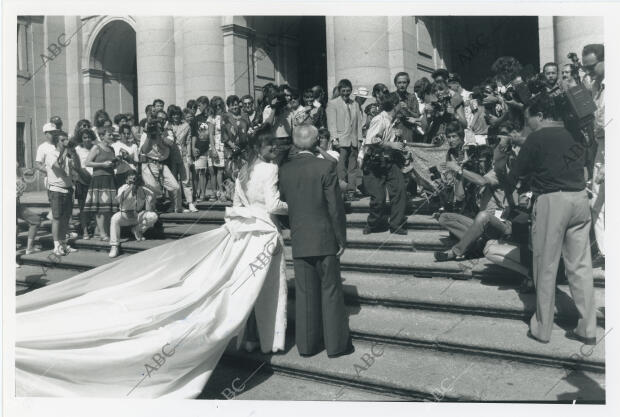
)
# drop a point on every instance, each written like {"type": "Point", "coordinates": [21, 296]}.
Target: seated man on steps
{"type": "Point", "coordinates": [490, 220]}
{"type": "Point", "coordinates": [135, 209]}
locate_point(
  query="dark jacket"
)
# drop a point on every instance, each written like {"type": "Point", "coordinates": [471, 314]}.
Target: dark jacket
{"type": "Point", "coordinates": [317, 220]}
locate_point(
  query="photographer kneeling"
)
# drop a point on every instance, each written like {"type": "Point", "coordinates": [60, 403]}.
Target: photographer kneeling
{"type": "Point", "coordinates": [380, 160]}
{"type": "Point", "coordinates": [136, 209]}
{"type": "Point", "coordinates": [489, 221]}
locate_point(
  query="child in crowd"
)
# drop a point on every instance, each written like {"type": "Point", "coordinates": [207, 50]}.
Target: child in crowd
{"type": "Point", "coordinates": [136, 209]}
{"type": "Point", "coordinates": [200, 151]}
{"type": "Point", "coordinates": [371, 111]}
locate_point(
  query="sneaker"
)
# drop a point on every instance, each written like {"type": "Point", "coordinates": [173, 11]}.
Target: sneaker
{"type": "Point", "coordinates": [444, 256]}
{"type": "Point", "coordinates": [113, 251]}
{"type": "Point", "coordinates": [33, 250]}
{"type": "Point", "coordinates": [59, 251]}
{"type": "Point", "coordinates": [185, 210]}
{"type": "Point", "coordinates": [192, 208]}
{"type": "Point", "coordinates": [68, 249]}
{"type": "Point", "coordinates": [137, 234]}
{"type": "Point", "coordinates": [86, 236]}
{"type": "Point", "coordinates": [72, 235]}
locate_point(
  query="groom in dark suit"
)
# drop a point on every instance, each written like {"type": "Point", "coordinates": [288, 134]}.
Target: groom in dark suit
{"type": "Point", "coordinates": [318, 232]}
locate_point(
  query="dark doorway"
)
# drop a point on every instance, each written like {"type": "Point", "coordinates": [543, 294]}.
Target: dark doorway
{"type": "Point", "coordinates": [312, 52]}
{"type": "Point", "coordinates": [477, 41]}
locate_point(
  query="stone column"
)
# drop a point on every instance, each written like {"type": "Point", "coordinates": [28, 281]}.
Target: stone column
{"type": "Point", "coordinates": [572, 33]}
{"type": "Point", "coordinates": [203, 57]}
{"type": "Point", "coordinates": [402, 46]}
{"type": "Point", "coordinates": [155, 60]}
{"type": "Point", "coordinates": [237, 62]}
{"type": "Point", "coordinates": [360, 50]}
{"type": "Point", "coordinates": [546, 43]}
{"type": "Point", "coordinates": [178, 62]}
{"type": "Point", "coordinates": [74, 81]}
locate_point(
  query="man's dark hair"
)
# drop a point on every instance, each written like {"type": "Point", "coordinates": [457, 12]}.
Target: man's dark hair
{"type": "Point", "coordinates": [191, 104]}
{"type": "Point", "coordinates": [247, 97]}
{"type": "Point", "coordinates": [598, 49]}
{"type": "Point", "coordinates": [172, 110]}
{"type": "Point", "coordinates": [550, 64]}
{"type": "Point", "coordinates": [545, 104]}
{"type": "Point", "coordinates": [202, 100]}
{"type": "Point", "coordinates": [455, 127]}
{"type": "Point", "coordinates": [158, 100]}
{"type": "Point", "coordinates": [368, 108]}
{"type": "Point", "coordinates": [402, 74]}
{"type": "Point", "coordinates": [390, 102]}
{"type": "Point", "coordinates": [344, 83]}
{"type": "Point", "coordinates": [119, 117]}
{"type": "Point", "coordinates": [441, 72]}
{"type": "Point", "coordinates": [324, 132]}
{"type": "Point", "coordinates": [454, 78]}
{"type": "Point", "coordinates": [422, 87]}
{"type": "Point", "coordinates": [124, 127]}
{"type": "Point", "coordinates": [379, 87]}
{"type": "Point", "coordinates": [231, 99]}
{"type": "Point", "coordinates": [57, 134]}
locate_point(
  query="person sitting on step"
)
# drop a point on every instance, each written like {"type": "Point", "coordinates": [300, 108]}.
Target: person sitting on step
{"type": "Point", "coordinates": [136, 208]}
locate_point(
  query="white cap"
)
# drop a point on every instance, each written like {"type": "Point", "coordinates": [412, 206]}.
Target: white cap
{"type": "Point", "coordinates": [49, 127]}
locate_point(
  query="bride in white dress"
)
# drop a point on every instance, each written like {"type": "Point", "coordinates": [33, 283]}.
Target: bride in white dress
{"type": "Point", "coordinates": [155, 324]}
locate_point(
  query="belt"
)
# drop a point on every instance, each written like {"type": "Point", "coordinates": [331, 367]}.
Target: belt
{"type": "Point", "coordinates": [559, 191]}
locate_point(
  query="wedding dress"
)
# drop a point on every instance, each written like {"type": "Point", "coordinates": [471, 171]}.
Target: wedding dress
{"type": "Point", "coordinates": [155, 324]}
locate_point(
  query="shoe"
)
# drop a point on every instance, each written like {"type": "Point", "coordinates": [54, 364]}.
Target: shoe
{"type": "Point", "coordinates": [590, 341]}
{"type": "Point", "coordinates": [59, 251]}
{"type": "Point", "coordinates": [527, 287]}
{"type": "Point", "coordinates": [72, 235]}
{"type": "Point", "coordinates": [137, 234]}
{"type": "Point", "coordinates": [68, 249]}
{"type": "Point", "coordinates": [192, 208]}
{"type": "Point", "coordinates": [104, 238]}
{"type": "Point", "coordinates": [86, 236]}
{"type": "Point", "coordinates": [531, 336]}
{"type": "Point", "coordinates": [35, 249]}
{"type": "Point", "coordinates": [348, 351]}
{"type": "Point", "coordinates": [367, 230]}
{"type": "Point", "coordinates": [251, 346]}
{"type": "Point", "coordinates": [113, 251]}
{"type": "Point", "coordinates": [441, 256]}
{"type": "Point", "coordinates": [352, 197]}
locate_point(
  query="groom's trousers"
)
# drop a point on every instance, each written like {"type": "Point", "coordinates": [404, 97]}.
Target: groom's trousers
{"type": "Point", "coordinates": [321, 320]}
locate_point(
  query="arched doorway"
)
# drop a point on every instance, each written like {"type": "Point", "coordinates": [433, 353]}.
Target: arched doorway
{"type": "Point", "coordinates": [111, 75]}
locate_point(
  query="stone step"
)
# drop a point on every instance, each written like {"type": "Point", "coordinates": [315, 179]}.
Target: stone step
{"type": "Point", "coordinates": [488, 298]}
{"type": "Point", "coordinates": [422, 374]}
{"type": "Point", "coordinates": [415, 240]}
{"type": "Point", "coordinates": [382, 259]}
{"type": "Point", "coordinates": [230, 381]}
{"type": "Point", "coordinates": [354, 220]}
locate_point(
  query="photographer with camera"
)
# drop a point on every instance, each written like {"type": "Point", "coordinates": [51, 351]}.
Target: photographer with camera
{"type": "Point", "coordinates": [136, 208]}
{"type": "Point", "coordinates": [490, 222]}
{"type": "Point", "coordinates": [560, 218]}
{"type": "Point", "coordinates": [593, 57]}
{"type": "Point", "coordinates": [379, 161]}
{"type": "Point", "coordinates": [154, 151]}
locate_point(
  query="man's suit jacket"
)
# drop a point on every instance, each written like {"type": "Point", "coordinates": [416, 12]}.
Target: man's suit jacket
{"type": "Point", "coordinates": [317, 220]}
{"type": "Point", "coordinates": [348, 130]}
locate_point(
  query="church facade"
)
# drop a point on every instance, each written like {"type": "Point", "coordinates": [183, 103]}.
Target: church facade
{"type": "Point", "coordinates": [71, 66]}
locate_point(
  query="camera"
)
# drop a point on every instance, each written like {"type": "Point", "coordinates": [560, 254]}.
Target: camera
{"type": "Point", "coordinates": [278, 101]}
{"type": "Point", "coordinates": [153, 127]}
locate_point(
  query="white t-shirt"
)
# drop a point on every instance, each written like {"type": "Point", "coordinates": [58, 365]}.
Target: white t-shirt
{"type": "Point", "coordinates": [131, 150]}
{"type": "Point", "coordinates": [83, 154]}
{"type": "Point", "coordinates": [45, 151]}
{"type": "Point", "coordinates": [55, 180]}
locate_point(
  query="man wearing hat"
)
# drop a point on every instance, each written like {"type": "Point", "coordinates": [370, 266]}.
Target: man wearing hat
{"type": "Point", "coordinates": [45, 151]}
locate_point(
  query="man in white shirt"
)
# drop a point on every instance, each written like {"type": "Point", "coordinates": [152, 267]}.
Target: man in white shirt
{"type": "Point", "coordinates": [44, 151]}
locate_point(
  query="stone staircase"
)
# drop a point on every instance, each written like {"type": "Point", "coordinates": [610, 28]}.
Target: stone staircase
{"type": "Point", "coordinates": [423, 331]}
